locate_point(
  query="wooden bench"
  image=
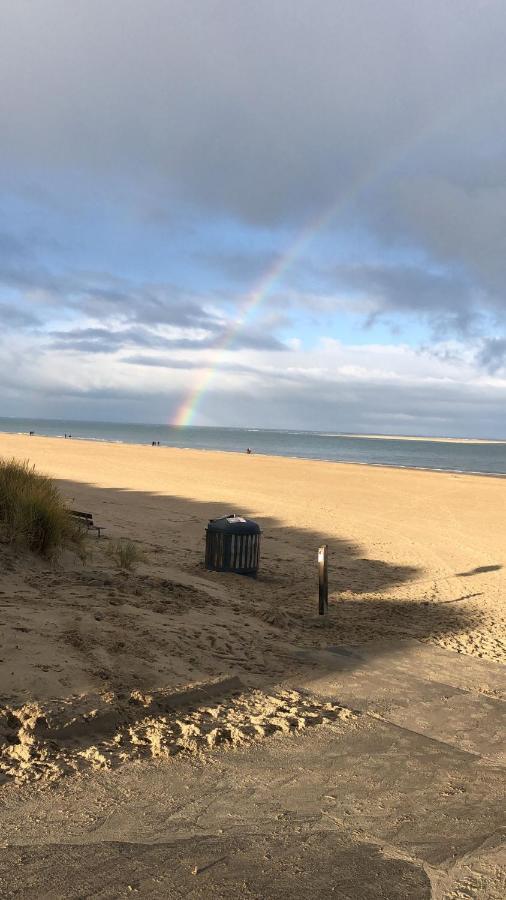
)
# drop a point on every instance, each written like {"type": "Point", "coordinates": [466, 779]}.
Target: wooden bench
{"type": "Point", "coordinates": [87, 519]}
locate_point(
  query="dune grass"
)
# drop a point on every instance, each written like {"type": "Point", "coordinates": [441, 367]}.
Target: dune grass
{"type": "Point", "coordinates": [125, 554]}
{"type": "Point", "coordinates": [33, 513]}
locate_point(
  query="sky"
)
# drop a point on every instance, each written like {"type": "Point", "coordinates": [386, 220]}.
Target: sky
{"type": "Point", "coordinates": [272, 214]}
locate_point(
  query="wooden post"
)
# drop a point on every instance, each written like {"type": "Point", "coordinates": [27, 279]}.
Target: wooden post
{"type": "Point", "coordinates": [323, 606]}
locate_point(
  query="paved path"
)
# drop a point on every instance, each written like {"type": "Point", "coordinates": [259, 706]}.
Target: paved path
{"type": "Point", "coordinates": [405, 800]}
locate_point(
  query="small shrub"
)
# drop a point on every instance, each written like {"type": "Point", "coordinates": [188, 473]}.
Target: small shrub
{"type": "Point", "coordinates": [33, 512]}
{"type": "Point", "coordinates": [125, 554]}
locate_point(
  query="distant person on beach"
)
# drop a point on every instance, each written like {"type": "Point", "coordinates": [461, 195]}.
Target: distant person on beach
{"type": "Point", "coordinates": [248, 450]}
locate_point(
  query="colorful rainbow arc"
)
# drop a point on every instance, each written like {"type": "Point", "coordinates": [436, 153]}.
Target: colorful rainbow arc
{"type": "Point", "coordinates": [189, 405]}
{"type": "Point", "coordinates": [383, 167]}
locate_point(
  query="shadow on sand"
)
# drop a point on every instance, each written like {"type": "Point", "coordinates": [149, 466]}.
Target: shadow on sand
{"type": "Point", "coordinates": [247, 629]}
{"type": "Point", "coordinates": [285, 592]}
{"type": "Point", "coordinates": [479, 570]}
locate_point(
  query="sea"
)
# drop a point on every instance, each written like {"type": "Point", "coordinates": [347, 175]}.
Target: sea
{"type": "Point", "coordinates": [419, 453]}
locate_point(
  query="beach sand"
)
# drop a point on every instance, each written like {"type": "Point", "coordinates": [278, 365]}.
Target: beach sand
{"type": "Point", "coordinates": [419, 437]}
{"type": "Point", "coordinates": [412, 554]}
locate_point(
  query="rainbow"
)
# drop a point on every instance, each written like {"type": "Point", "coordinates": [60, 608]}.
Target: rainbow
{"type": "Point", "coordinates": [188, 407]}
{"type": "Point", "coordinates": [264, 286]}
{"type": "Point", "coordinates": [384, 167]}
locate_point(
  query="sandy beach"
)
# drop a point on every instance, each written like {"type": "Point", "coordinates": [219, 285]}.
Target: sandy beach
{"type": "Point", "coordinates": [420, 437]}
{"type": "Point", "coordinates": [179, 703]}
{"type": "Point", "coordinates": [411, 554]}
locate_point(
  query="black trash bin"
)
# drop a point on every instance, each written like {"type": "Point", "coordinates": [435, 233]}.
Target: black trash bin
{"type": "Point", "coordinates": [233, 545]}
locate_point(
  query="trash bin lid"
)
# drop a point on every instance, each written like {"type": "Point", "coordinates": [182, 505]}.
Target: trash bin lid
{"type": "Point", "coordinates": [233, 524]}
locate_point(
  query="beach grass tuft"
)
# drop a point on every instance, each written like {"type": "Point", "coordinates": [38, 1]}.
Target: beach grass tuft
{"type": "Point", "coordinates": [125, 554]}
{"type": "Point", "coordinates": [33, 512]}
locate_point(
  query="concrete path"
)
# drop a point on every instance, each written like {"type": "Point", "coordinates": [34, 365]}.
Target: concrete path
{"type": "Point", "coordinates": [422, 688]}
{"type": "Point", "coordinates": [403, 800]}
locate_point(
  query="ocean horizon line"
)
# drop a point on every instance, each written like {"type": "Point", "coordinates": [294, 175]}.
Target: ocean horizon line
{"type": "Point", "coordinates": [369, 435]}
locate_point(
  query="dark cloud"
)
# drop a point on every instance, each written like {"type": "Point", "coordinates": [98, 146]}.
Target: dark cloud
{"type": "Point", "coordinates": [149, 304]}
{"type": "Point", "coordinates": [256, 109]}
{"type": "Point", "coordinates": [110, 340]}
{"type": "Point", "coordinates": [98, 295]}
{"type": "Point", "coordinates": [134, 310]}
{"type": "Point", "coordinates": [102, 294]}
{"type": "Point", "coordinates": [449, 300]}
{"type": "Point", "coordinates": [442, 409]}
{"type": "Point", "coordinates": [20, 268]}
{"type": "Point", "coordinates": [14, 317]}
{"type": "Point", "coordinates": [165, 362]}
{"type": "Point", "coordinates": [394, 114]}
{"type": "Point", "coordinates": [407, 287]}
{"type": "Point", "coordinates": [458, 227]}
{"type": "Point", "coordinates": [492, 355]}
{"type": "Point", "coordinates": [103, 340]}
{"type": "Point", "coordinates": [161, 362]}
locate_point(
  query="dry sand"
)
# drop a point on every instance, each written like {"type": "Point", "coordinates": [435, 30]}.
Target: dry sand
{"type": "Point", "coordinates": [90, 657]}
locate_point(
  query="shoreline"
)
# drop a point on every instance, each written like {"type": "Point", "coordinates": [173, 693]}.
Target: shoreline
{"type": "Point", "coordinates": [254, 428]}
{"type": "Point", "coordinates": [275, 456]}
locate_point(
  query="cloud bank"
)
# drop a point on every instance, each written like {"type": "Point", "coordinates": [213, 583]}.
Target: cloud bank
{"type": "Point", "coordinates": [157, 158]}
